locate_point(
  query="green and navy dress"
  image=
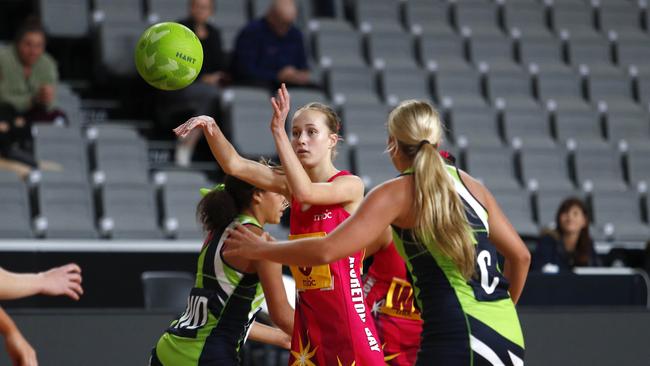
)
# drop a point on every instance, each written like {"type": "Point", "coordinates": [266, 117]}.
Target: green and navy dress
{"type": "Point", "coordinates": [220, 310]}
{"type": "Point", "coordinates": [465, 322]}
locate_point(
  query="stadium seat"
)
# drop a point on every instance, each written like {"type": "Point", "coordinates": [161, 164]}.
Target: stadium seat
{"type": "Point", "coordinates": [563, 87]}
{"type": "Point", "coordinates": [379, 15]}
{"type": "Point", "coordinates": [336, 43]}
{"type": "Point", "coordinates": [260, 7]}
{"type": "Point", "coordinates": [130, 211]}
{"type": "Point", "coordinates": [492, 166]}
{"type": "Point", "coordinates": [65, 18]}
{"type": "Point", "coordinates": [442, 50]}
{"type": "Point", "coordinates": [116, 45]}
{"type": "Point", "coordinates": [513, 88]}
{"type": "Point", "coordinates": [166, 10]}
{"type": "Point", "coordinates": [528, 127]}
{"type": "Point", "coordinates": [495, 51]}
{"type": "Point", "coordinates": [623, 211]}
{"type": "Point", "coordinates": [374, 165]}
{"type": "Point", "coordinates": [574, 17]}
{"type": "Point", "coordinates": [615, 89]}
{"type": "Point", "coordinates": [66, 211]}
{"type": "Point", "coordinates": [365, 125]}
{"type": "Point", "coordinates": [548, 168]}
{"type": "Point", "coordinates": [527, 17]}
{"type": "Point", "coordinates": [638, 165]}
{"type": "Point", "coordinates": [354, 85]}
{"type": "Point", "coordinates": [180, 196]}
{"type": "Point", "coordinates": [393, 50]}
{"type": "Point", "coordinates": [166, 290]}
{"type": "Point", "coordinates": [343, 159]}
{"type": "Point", "coordinates": [620, 16]}
{"type": "Point", "coordinates": [595, 52]}
{"type": "Point", "coordinates": [117, 11]}
{"type": "Point", "coordinates": [303, 96]}
{"type": "Point", "coordinates": [228, 13]}
{"type": "Point", "coordinates": [427, 15]}
{"type": "Point", "coordinates": [583, 127]}
{"type": "Point", "coordinates": [628, 126]}
{"type": "Point", "coordinates": [479, 16]}
{"type": "Point", "coordinates": [121, 161]}
{"type": "Point", "coordinates": [475, 127]}
{"type": "Point", "coordinates": [401, 84]}
{"type": "Point", "coordinates": [15, 217]}
{"type": "Point", "coordinates": [601, 167]}
{"type": "Point", "coordinates": [463, 89]}
{"type": "Point", "coordinates": [516, 205]}
{"type": "Point", "coordinates": [632, 51]}
{"type": "Point", "coordinates": [250, 131]}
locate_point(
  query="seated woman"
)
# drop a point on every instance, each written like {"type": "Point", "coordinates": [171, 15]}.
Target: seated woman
{"type": "Point", "coordinates": [570, 244]}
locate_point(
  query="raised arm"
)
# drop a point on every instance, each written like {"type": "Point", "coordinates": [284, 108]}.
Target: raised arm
{"type": "Point", "coordinates": [64, 280]}
{"type": "Point", "coordinates": [364, 228]}
{"type": "Point", "coordinates": [505, 238]}
{"type": "Point", "coordinates": [230, 161]}
{"type": "Point", "coordinates": [344, 190]}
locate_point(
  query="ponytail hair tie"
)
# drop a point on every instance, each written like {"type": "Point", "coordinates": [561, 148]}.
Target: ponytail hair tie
{"type": "Point", "coordinates": [422, 143]}
{"type": "Point", "coordinates": [219, 188]}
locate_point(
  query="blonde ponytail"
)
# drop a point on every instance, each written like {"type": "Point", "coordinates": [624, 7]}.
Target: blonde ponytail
{"type": "Point", "coordinates": [441, 223]}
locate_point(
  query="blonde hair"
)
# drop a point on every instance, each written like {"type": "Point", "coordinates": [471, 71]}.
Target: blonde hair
{"type": "Point", "coordinates": [440, 213]}
{"type": "Point", "coordinates": [332, 119]}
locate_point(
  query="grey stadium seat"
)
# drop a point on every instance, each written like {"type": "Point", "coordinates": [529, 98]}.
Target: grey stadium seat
{"type": "Point", "coordinates": [528, 17]}
{"type": "Point", "coordinates": [71, 156]}
{"type": "Point", "coordinates": [250, 130]}
{"type": "Point", "coordinates": [514, 88]}
{"type": "Point", "coordinates": [444, 49]}
{"type": "Point", "coordinates": [167, 10]}
{"type": "Point", "coordinates": [365, 125]}
{"type": "Point", "coordinates": [341, 45]}
{"type": "Point", "coordinates": [229, 13]}
{"type": "Point", "coordinates": [180, 195]}
{"type": "Point", "coordinates": [543, 51]}
{"type": "Point", "coordinates": [476, 126]}
{"type": "Point", "coordinates": [398, 85]}
{"type": "Point", "coordinates": [582, 127]}
{"type": "Point", "coordinates": [122, 162]}
{"type": "Point", "coordinates": [613, 89]}
{"type": "Point", "coordinates": [118, 11]}
{"type": "Point", "coordinates": [374, 165]}
{"type": "Point", "coordinates": [623, 210]}
{"type": "Point", "coordinates": [65, 18]}
{"type": "Point", "coordinates": [380, 15]}
{"type": "Point", "coordinates": [132, 210]}
{"type": "Point", "coordinates": [480, 16]}
{"type": "Point", "coordinates": [355, 84]}
{"type": "Point", "coordinates": [602, 167]}
{"type": "Point", "coordinates": [562, 87]}
{"type": "Point", "coordinates": [116, 45]}
{"type": "Point", "coordinates": [516, 205]}
{"type": "Point", "coordinates": [343, 159]}
{"type": "Point", "coordinates": [492, 166]}
{"type": "Point", "coordinates": [394, 50]}
{"type": "Point", "coordinates": [530, 127]}
{"type": "Point", "coordinates": [594, 52]}
{"type": "Point", "coordinates": [629, 126]}
{"type": "Point", "coordinates": [548, 168]}
{"type": "Point", "coordinates": [462, 88]}
{"type": "Point", "coordinates": [427, 15]}
{"type": "Point", "coordinates": [68, 209]}
{"type": "Point", "coordinates": [574, 17]}
{"type": "Point", "coordinates": [260, 7]}
{"type": "Point", "coordinates": [621, 16]}
{"type": "Point", "coordinates": [497, 52]}
{"type": "Point", "coordinates": [302, 96]}
{"type": "Point", "coordinates": [15, 217]}
{"type": "Point", "coordinates": [638, 165]}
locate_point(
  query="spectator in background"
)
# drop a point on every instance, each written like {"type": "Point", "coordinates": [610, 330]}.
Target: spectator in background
{"type": "Point", "coordinates": [202, 96]}
{"type": "Point", "coordinates": [570, 244]}
{"type": "Point", "coordinates": [28, 78]}
{"type": "Point", "coordinates": [64, 280]}
{"type": "Point", "coordinates": [270, 50]}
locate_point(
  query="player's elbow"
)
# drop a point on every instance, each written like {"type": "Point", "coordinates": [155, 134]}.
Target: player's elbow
{"type": "Point", "coordinates": [302, 195]}
{"type": "Point", "coordinates": [523, 257]}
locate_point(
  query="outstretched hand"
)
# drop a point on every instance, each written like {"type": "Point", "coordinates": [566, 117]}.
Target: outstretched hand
{"type": "Point", "coordinates": [206, 122]}
{"type": "Point", "coordinates": [242, 242]}
{"type": "Point", "coordinates": [281, 105]}
{"type": "Point", "coordinates": [64, 280]}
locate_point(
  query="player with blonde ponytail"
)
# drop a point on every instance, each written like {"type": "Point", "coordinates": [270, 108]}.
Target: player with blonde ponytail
{"type": "Point", "coordinates": [448, 228]}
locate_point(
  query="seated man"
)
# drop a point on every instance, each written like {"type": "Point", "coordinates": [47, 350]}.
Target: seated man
{"type": "Point", "coordinates": [270, 50]}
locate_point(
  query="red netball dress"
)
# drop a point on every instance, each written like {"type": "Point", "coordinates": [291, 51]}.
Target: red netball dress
{"type": "Point", "coordinates": [332, 324]}
{"type": "Point", "coordinates": [390, 298]}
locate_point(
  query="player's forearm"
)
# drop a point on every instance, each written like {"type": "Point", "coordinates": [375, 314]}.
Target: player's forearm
{"type": "Point", "coordinates": [299, 181]}
{"type": "Point", "coordinates": [270, 335]}
{"type": "Point", "coordinates": [283, 318]}
{"type": "Point", "coordinates": [516, 272]}
{"type": "Point", "coordinates": [304, 252]}
{"type": "Point", "coordinates": [16, 286]}
{"type": "Point", "coordinates": [228, 158]}
{"type": "Point", "coordinates": [7, 326]}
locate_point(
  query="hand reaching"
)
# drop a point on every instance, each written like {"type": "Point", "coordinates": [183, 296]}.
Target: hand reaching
{"type": "Point", "coordinates": [64, 280]}
{"type": "Point", "coordinates": [205, 122]}
{"type": "Point", "coordinates": [281, 105]}
{"type": "Point", "coordinates": [244, 243]}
